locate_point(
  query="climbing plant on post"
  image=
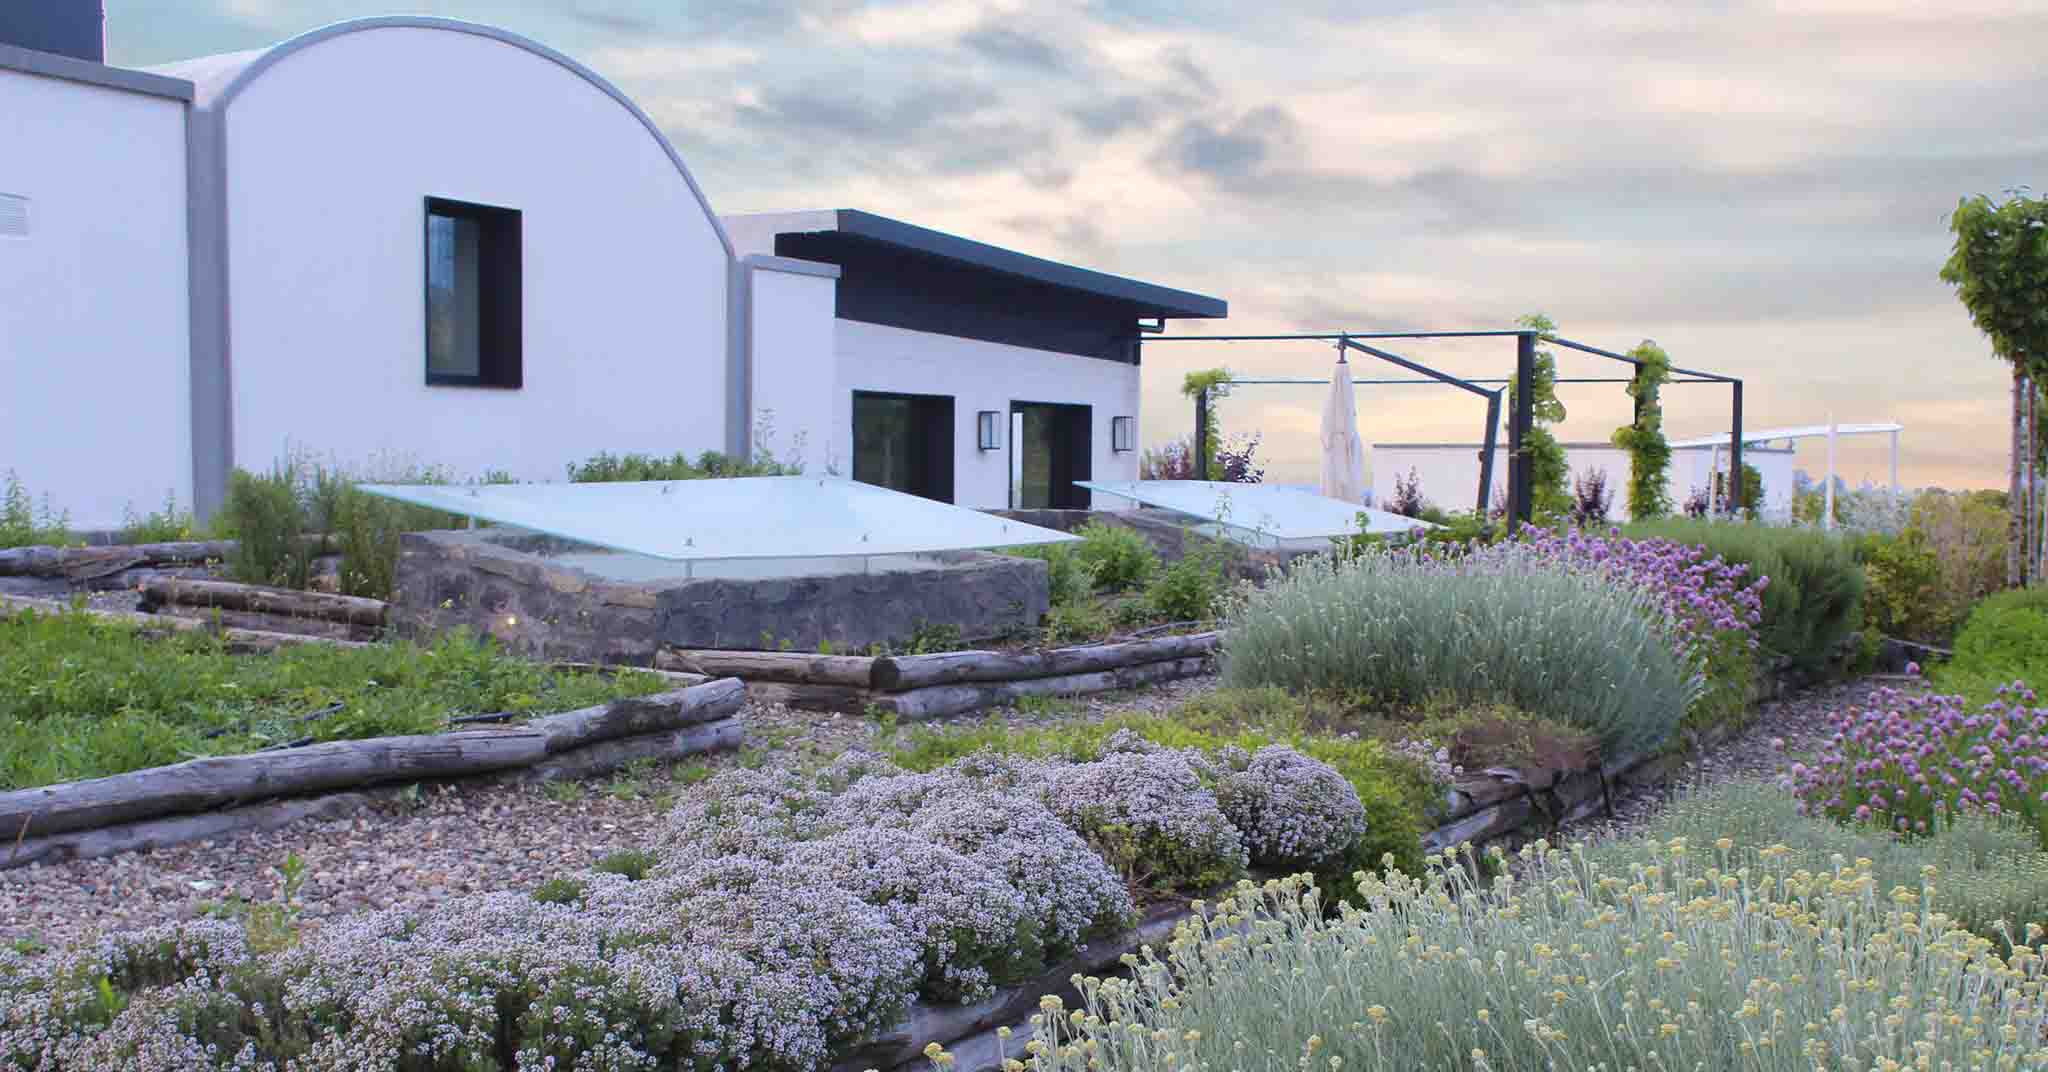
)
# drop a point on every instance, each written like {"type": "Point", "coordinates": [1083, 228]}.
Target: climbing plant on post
{"type": "Point", "coordinates": [1548, 471]}
{"type": "Point", "coordinates": [1649, 456]}
{"type": "Point", "coordinates": [1999, 267]}
{"type": "Point", "coordinates": [1206, 387]}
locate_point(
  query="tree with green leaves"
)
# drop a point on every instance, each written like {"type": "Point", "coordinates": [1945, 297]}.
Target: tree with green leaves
{"type": "Point", "coordinates": [1549, 473]}
{"type": "Point", "coordinates": [1999, 267]}
{"type": "Point", "coordinates": [1649, 455]}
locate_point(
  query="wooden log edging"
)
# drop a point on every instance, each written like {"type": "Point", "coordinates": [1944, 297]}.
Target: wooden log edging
{"type": "Point", "coordinates": [224, 781]}
{"type": "Point", "coordinates": [239, 641]}
{"type": "Point", "coordinates": [594, 759]}
{"type": "Point", "coordinates": [939, 701]}
{"type": "Point", "coordinates": [86, 563]}
{"type": "Point", "coordinates": [906, 673]}
{"type": "Point", "coordinates": [909, 672]}
{"type": "Point", "coordinates": [291, 603]}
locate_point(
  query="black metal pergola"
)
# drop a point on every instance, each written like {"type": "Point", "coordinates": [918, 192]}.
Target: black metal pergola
{"type": "Point", "coordinates": [1520, 475]}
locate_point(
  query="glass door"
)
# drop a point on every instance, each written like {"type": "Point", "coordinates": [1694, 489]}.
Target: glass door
{"type": "Point", "coordinates": [1051, 446]}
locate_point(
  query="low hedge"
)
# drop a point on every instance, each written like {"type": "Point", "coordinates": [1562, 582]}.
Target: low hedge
{"type": "Point", "coordinates": [1814, 600]}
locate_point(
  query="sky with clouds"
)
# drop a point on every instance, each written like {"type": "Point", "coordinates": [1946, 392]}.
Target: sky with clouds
{"type": "Point", "coordinates": [1762, 188]}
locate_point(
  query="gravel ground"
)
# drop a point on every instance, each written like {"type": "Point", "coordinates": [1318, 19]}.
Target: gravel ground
{"type": "Point", "coordinates": [462, 840]}
{"type": "Point", "coordinates": [1785, 732]}
{"type": "Point", "coordinates": [449, 842]}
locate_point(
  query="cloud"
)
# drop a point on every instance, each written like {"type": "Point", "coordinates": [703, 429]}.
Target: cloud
{"type": "Point", "coordinates": [1015, 47]}
{"type": "Point", "coordinates": [1233, 154]}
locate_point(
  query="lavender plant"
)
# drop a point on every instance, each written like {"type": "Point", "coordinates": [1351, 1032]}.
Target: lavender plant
{"type": "Point", "coordinates": [1506, 624]}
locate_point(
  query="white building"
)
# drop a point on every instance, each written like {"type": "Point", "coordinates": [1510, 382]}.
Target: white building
{"type": "Point", "coordinates": [430, 240]}
{"type": "Point", "coordinates": [1448, 473]}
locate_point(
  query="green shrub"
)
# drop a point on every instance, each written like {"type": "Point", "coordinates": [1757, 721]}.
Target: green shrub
{"type": "Point", "coordinates": [1986, 871]}
{"type": "Point", "coordinates": [1067, 577]}
{"type": "Point", "coordinates": [1815, 595]}
{"type": "Point", "coordinates": [2004, 640]}
{"type": "Point", "coordinates": [160, 526]}
{"type": "Point", "coordinates": [1699, 957]}
{"type": "Point", "coordinates": [268, 523]}
{"type": "Point", "coordinates": [605, 467]}
{"type": "Point", "coordinates": [1117, 558]}
{"type": "Point", "coordinates": [1190, 589]}
{"type": "Point", "coordinates": [1923, 580]}
{"type": "Point", "coordinates": [23, 523]}
{"type": "Point", "coordinates": [1558, 644]}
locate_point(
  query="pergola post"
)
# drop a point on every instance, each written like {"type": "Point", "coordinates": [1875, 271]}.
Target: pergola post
{"type": "Point", "coordinates": [1488, 446]}
{"type": "Point", "coordinates": [1521, 475]}
{"type": "Point", "coordinates": [1827, 520]}
{"type": "Point", "coordinates": [1202, 434]}
{"type": "Point", "coordinates": [1735, 449]}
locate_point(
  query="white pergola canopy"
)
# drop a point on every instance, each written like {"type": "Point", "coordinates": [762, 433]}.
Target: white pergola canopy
{"type": "Point", "coordinates": [1807, 431]}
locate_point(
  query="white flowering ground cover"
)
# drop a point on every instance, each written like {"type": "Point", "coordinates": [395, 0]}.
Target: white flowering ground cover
{"type": "Point", "coordinates": [785, 917]}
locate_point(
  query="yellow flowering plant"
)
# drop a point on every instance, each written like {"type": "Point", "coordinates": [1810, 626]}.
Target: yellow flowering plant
{"type": "Point", "coordinates": [1689, 956]}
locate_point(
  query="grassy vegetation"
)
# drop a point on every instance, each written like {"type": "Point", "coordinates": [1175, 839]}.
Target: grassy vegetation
{"type": "Point", "coordinates": [24, 522]}
{"type": "Point", "coordinates": [84, 698]}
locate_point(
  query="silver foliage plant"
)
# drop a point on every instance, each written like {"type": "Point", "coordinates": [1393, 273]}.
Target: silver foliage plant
{"type": "Point", "coordinates": [1498, 626]}
{"type": "Point", "coordinates": [789, 917]}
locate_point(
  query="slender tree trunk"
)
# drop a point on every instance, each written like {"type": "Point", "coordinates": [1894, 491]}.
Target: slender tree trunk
{"type": "Point", "coordinates": [2015, 494]}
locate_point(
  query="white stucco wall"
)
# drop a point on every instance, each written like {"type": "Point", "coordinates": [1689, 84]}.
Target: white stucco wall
{"type": "Point", "coordinates": [794, 382]}
{"type": "Point", "coordinates": [331, 153]}
{"type": "Point", "coordinates": [1449, 473]}
{"type": "Point", "coordinates": [94, 348]}
{"type": "Point", "coordinates": [981, 375]}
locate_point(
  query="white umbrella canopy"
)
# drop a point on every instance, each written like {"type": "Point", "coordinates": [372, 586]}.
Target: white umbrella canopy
{"type": "Point", "coordinates": [1343, 455]}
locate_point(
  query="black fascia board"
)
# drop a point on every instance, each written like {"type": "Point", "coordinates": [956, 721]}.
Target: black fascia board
{"type": "Point", "coordinates": [1152, 299]}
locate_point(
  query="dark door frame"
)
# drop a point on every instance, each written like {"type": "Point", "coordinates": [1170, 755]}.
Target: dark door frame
{"type": "Point", "coordinates": [1076, 462]}
{"type": "Point", "coordinates": [938, 443]}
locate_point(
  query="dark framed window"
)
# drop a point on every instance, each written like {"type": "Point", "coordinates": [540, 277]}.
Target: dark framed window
{"type": "Point", "coordinates": [473, 280]}
{"type": "Point", "coordinates": [904, 442]}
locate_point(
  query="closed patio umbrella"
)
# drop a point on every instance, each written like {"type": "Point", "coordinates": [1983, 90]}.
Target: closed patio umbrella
{"type": "Point", "coordinates": [1343, 455]}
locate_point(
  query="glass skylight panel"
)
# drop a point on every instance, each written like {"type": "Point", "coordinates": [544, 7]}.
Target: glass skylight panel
{"type": "Point", "coordinates": [1268, 512]}
{"type": "Point", "coordinates": [744, 518]}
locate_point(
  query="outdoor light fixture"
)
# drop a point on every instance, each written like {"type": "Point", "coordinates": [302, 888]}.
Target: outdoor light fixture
{"type": "Point", "coordinates": [988, 430]}
{"type": "Point", "coordinates": [1122, 433]}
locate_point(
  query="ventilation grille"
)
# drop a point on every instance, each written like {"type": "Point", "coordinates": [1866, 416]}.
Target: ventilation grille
{"type": "Point", "coordinates": [13, 216]}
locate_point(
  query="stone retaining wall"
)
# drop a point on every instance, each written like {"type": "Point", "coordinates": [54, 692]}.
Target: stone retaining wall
{"type": "Point", "coordinates": [503, 585]}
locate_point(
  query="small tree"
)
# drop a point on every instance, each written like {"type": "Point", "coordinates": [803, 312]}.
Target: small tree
{"type": "Point", "coordinates": [1649, 454]}
{"type": "Point", "coordinates": [1999, 267]}
{"type": "Point", "coordinates": [1548, 473]}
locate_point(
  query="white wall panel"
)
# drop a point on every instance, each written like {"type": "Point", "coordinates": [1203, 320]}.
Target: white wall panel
{"type": "Point", "coordinates": [94, 346]}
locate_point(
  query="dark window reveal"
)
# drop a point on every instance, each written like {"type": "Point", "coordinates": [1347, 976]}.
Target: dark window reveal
{"type": "Point", "coordinates": [473, 318]}
{"type": "Point", "coordinates": [904, 442]}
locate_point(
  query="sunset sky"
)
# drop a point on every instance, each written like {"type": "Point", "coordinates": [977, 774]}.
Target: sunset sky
{"type": "Point", "coordinates": [1761, 188]}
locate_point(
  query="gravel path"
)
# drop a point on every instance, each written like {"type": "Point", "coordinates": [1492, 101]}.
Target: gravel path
{"type": "Point", "coordinates": [449, 842]}
{"type": "Point", "coordinates": [1785, 732]}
